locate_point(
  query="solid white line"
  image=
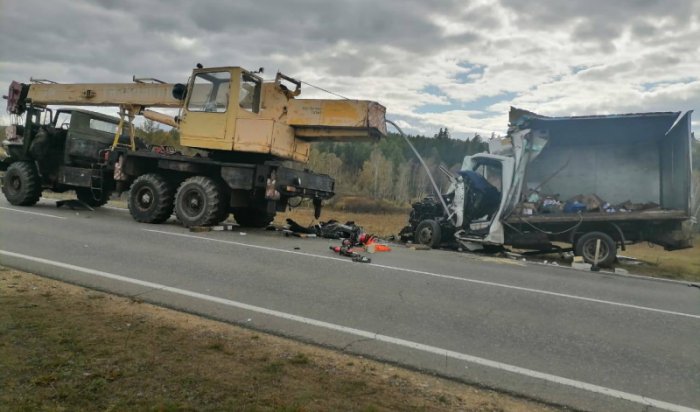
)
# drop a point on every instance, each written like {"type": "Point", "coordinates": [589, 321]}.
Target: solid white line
{"type": "Point", "coordinates": [438, 275]}
{"type": "Point", "coordinates": [120, 209]}
{"type": "Point", "coordinates": [32, 213]}
{"type": "Point", "coordinates": [370, 335]}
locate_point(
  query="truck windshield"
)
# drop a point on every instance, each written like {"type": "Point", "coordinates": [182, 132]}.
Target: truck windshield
{"type": "Point", "coordinates": [103, 126]}
{"type": "Point", "coordinates": [63, 120]}
{"type": "Point", "coordinates": [492, 174]}
{"type": "Point", "coordinates": [210, 92]}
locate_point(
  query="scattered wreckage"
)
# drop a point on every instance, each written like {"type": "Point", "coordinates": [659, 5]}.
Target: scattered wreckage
{"type": "Point", "coordinates": [595, 183]}
{"type": "Point", "coordinates": [354, 239]}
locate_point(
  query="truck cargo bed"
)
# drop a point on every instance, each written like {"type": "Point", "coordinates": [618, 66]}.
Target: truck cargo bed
{"type": "Point", "coordinates": [648, 215]}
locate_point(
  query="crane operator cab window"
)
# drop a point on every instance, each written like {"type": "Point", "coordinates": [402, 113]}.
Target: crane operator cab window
{"type": "Point", "coordinates": [249, 96]}
{"type": "Point", "coordinates": [210, 92]}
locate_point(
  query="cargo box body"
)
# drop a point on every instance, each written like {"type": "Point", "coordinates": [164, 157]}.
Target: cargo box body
{"type": "Point", "coordinates": [641, 158]}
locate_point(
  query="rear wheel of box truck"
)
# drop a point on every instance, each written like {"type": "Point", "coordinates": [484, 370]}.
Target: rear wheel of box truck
{"type": "Point", "coordinates": [151, 199]}
{"type": "Point", "coordinates": [586, 247]}
{"type": "Point", "coordinates": [90, 198]}
{"type": "Point", "coordinates": [21, 184]}
{"type": "Point", "coordinates": [200, 202]}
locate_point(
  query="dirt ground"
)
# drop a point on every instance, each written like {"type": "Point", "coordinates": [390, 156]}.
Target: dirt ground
{"type": "Point", "coordinates": [67, 348]}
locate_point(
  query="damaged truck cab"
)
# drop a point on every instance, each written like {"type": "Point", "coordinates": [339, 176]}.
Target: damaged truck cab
{"type": "Point", "coordinates": [591, 184]}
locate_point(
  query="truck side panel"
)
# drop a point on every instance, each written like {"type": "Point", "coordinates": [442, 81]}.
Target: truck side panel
{"type": "Point", "coordinates": [676, 166]}
{"type": "Point", "coordinates": [616, 158]}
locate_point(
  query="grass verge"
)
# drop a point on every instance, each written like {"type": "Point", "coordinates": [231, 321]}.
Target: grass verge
{"type": "Point", "coordinates": [64, 347]}
{"type": "Point", "coordinates": [678, 264]}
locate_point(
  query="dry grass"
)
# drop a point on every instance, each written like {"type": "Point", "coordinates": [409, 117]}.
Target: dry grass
{"type": "Point", "coordinates": [68, 348]}
{"type": "Point", "coordinates": [678, 264]}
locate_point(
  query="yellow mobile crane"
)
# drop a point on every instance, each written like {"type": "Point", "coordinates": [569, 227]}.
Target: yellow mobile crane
{"type": "Point", "coordinates": [244, 127]}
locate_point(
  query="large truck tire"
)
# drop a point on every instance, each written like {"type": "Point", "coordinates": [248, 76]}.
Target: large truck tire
{"type": "Point", "coordinates": [151, 199]}
{"type": "Point", "coordinates": [21, 184]}
{"type": "Point", "coordinates": [199, 202]}
{"type": "Point", "coordinates": [428, 233]}
{"type": "Point", "coordinates": [586, 245]}
{"type": "Point", "coordinates": [86, 196]}
{"type": "Point", "coordinates": [225, 210]}
{"type": "Point", "coordinates": [251, 217]}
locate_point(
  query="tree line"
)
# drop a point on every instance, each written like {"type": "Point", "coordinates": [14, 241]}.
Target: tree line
{"type": "Point", "coordinates": [388, 169]}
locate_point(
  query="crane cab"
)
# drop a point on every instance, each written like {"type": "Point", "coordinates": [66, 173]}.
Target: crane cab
{"type": "Point", "coordinates": [234, 110]}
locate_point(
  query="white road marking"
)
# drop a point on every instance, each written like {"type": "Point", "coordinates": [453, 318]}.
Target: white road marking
{"type": "Point", "coordinates": [369, 335]}
{"type": "Point", "coordinates": [438, 275]}
{"type": "Point", "coordinates": [32, 213]}
{"type": "Point", "coordinates": [119, 209]}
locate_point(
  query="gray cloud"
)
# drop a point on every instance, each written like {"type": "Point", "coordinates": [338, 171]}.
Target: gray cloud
{"type": "Point", "coordinates": [603, 20]}
{"type": "Point", "coordinates": [390, 51]}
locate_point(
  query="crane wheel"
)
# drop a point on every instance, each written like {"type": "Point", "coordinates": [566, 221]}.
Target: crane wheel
{"type": "Point", "coordinates": [21, 184]}
{"type": "Point", "coordinates": [151, 199]}
{"type": "Point", "coordinates": [251, 217]}
{"type": "Point", "coordinates": [225, 210]}
{"type": "Point", "coordinates": [86, 196]}
{"type": "Point", "coordinates": [199, 202]}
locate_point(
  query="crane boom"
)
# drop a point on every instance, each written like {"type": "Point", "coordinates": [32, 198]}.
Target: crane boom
{"type": "Point", "coordinates": [104, 94]}
{"type": "Point", "coordinates": [225, 109]}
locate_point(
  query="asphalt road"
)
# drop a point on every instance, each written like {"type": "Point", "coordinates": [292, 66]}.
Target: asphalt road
{"type": "Point", "coordinates": [592, 341]}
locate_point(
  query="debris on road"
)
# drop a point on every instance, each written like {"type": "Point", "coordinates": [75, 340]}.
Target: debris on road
{"type": "Point", "coordinates": [578, 263]}
{"type": "Point", "coordinates": [351, 253]}
{"type": "Point", "coordinates": [227, 227]}
{"type": "Point", "coordinates": [74, 204]}
{"type": "Point", "coordinates": [297, 234]}
{"type": "Point", "coordinates": [329, 230]}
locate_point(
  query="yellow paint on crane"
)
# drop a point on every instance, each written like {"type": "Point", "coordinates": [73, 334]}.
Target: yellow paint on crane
{"type": "Point", "coordinates": [104, 94]}
{"type": "Point", "coordinates": [232, 109]}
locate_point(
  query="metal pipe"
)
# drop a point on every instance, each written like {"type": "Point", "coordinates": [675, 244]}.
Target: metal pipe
{"type": "Point", "coordinates": [160, 118]}
{"type": "Point", "coordinates": [425, 166]}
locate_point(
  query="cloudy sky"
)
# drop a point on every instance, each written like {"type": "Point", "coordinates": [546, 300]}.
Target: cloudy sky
{"type": "Point", "coordinates": [433, 63]}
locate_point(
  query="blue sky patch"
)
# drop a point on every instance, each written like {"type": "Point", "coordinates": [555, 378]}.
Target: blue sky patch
{"type": "Point", "coordinates": [475, 71]}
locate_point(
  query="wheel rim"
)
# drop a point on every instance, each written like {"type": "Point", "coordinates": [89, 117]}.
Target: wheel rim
{"type": "Point", "coordinates": [588, 251]}
{"type": "Point", "coordinates": [193, 203]}
{"type": "Point", "coordinates": [425, 236]}
{"type": "Point", "coordinates": [144, 198]}
{"type": "Point", "coordinates": [15, 183]}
